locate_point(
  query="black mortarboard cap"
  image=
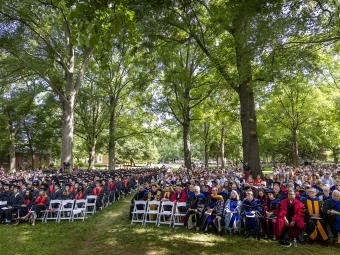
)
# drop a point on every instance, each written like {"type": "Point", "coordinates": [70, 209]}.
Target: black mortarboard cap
{"type": "Point", "coordinates": [7, 184]}
{"type": "Point", "coordinates": [278, 183]}
{"type": "Point", "coordinates": [43, 187]}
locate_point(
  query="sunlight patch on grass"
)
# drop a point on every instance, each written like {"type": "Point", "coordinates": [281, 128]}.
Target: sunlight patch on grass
{"type": "Point", "coordinates": [112, 214]}
{"type": "Point", "coordinates": [112, 241]}
{"type": "Point", "coordinates": [139, 230]}
{"type": "Point", "coordinates": [23, 238]}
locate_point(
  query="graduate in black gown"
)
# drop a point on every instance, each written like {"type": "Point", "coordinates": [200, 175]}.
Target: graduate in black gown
{"type": "Point", "coordinates": [26, 204]}
{"type": "Point", "coordinates": [13, 204]}
{"type": "Point", "coordinates": [40, 203]}
{"type": "Point", "coordinates": [5, 199]}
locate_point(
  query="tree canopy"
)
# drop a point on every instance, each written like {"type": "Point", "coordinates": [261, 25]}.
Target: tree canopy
{"type": "Point", "coordinates": [150, 80]}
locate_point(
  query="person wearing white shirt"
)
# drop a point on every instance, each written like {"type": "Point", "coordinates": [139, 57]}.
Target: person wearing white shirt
{"type": "Point", "coordinates": [327, 179]}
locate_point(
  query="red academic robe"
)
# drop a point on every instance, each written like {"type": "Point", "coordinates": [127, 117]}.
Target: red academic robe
{"type": "Point", "coordinates": [180, 198]}
{"type": "Point", "coordinates": [111, 185]}
{"type": "Point", "coordinates": [97, 191]}
{"type": "Point", "coordinates": [298, 217]}
{"type": "Point", "coordinates": [79, 195]}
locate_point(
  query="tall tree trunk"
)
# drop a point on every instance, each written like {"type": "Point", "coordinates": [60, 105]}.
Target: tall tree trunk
{"type": "Point", "coordinates": [206, 142]}
{"type": "Point", "coordinates": [249, 132]}
{"type": "Point", "coordinates": [187, 145]}
{"type": "Point", "coordinates": [295, 148]}
{"type": "Point", "coordinates": [92, 153]}
{"type": "Point", "coordinates": [335, 155]}
{"type": "Point", "coordinates": [112, 134]}
{"type": "Point", "coordinates": [33, 160]}
{"type": "Point", "coordinates": [67, 130]}
{"type": "Point", "coordinates": [273, 159]}
{"type": "Point", "coordinates": [30, 145]}
{"type": "Point", "coordinates": [222, 145]}
{"type": "Point", "coordinates": [12, 160]}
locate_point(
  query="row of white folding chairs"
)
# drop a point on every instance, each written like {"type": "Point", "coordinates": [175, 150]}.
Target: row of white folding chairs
{"type": "Point", "coordinates": [70, 209]}
{"type": "Point", "coordinates": [158, 212]}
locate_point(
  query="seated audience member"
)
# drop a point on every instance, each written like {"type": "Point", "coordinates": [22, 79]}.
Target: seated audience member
{"type": "Point", "coordinates": [315, 225]}
{"type": "Point", "coordinates": [106, 194]}
{"type": "Point", "coordinates": [271, 209]}
{"type": "Point", "coordinates": [196, 208]}
{"type": "Point", "coordinates": [261, 196]}
{"type": "Point", "coordinates": [25, 206]}
{"type": "Point", "coordinates": [327, 179]}
{"type": "Point", "coordinates": [326, 193]}
{"type": "Point", "coordinates": [40, 203]}
{"type": "Point", "coordinates": [232, 211]}
{"type": "Point", "coordinates": [5, 196]}
{"type": "Point", "coordinates": [79, 193]}
{"type": "Point", "coordinates": [98, 191]}
{"type": "Point", "coordinates": [213, 214]}
{"type": "Point", "coordinates": [67, 193]}
{"type": "Point", "coordinates": [56, 193]}
{"type": "Point", "coordinates": [336, 186]}
{"type": "Point", "coordinates": [179, 195]}
{"type": "Point", "coordinates": [291, 218]}
{"type": "Point", "coordinates": [153, 195]}
{"type": "Point", "coordinates": [332, 213]}
{"type": "Point", "coordinates": [268, 180]}
{"type": "Point", "coordinates": [278, 194]}
{"type": "Point", "coordinates": [205, 190]}
{"type": "Point", "coordinates": [190, 193]}
{"type": "Point", "coordinates": [13, 204]}
{"type": "Point", "coordinates": [166, 193]}
{"type": "Point", "coordinates": [137, 197]}
{"type": "Point", "coordinates": [258, 180]}
{"type": "Point", "coordinates": [318, 186]}
{"type": "Point", "coordinates": [113, 192]}
{"type": "Point", "coordinates": [252, 209]}
{"type": "Point", "coordinates": [88, 191]}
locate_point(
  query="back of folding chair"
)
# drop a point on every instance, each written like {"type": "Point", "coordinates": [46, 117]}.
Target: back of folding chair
{"type": "Point", "coordinates": [91, 204]}
{"type": "Point", "coordinates": [165, 214]}
{"type": "Point", "coordinates": [178, 216]}
{"type": "Point", "coordinates": [52, 212]}
{"type": "Point", "coordinates": [65, 212]}
{"type": "Point", "coordinates": [79, 210]}
{"type": "Point", "coordinates": [138, 213]}
{"type": "Point", "coordinates": [151, 213]}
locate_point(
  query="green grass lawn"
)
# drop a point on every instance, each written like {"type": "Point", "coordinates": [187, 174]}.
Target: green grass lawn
{"type": "Point", "coordinates": [110, 232]}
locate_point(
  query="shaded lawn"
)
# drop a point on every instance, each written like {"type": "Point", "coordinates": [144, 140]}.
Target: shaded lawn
{"type": "Point", "coordinates": [110, 232]}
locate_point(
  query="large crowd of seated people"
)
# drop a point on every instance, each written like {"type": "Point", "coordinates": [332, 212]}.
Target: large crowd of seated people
{"type": "Point", "coordinates": [24, 194]}
{"type": "Point", "coordinates": [300, 203]}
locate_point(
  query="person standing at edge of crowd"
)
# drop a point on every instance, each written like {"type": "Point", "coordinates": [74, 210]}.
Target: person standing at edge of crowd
{"type": "Point", "coordinates": [246, 170]}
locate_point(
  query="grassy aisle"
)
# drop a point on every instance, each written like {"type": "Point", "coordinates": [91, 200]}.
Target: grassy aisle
{"type": "Point", "coordinates": [110, 232]}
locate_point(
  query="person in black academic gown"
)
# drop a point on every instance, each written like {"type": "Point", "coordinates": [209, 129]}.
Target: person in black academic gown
{"type": "Point", "coordinates": [26, 204]}
{"type": "Point", "coordinates": [5, 198]}
{"type": "Point", "coordinates": [98, 191]}
{"type": "Point", "coordinates": [196, 206]}
{"type": "Point", "coordinates": [57, 192]}
{"type": "Point", "coordinates": [40, 203]}
{"type": "Point", "coordinates": [140, 195]}
{"type": "Point", "coordinates": [13, 204]}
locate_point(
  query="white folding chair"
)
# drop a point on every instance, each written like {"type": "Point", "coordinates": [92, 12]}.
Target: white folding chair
{"type": "Point", "coordinates": [65, 211]}
{"type": "Point", "coordinates": [52, 212]}
{"type": "Point", "coordinates": [138, 212]}
{"type": "Point", "coordinates": [178, 216]}
{"type": "Point", "coordinates": [151, 213]}
{"type": "Point", "coordinates": [91, 204]}
{"type": "Point", "coordinates": [79, 210]}
{"type": "Point", "coordinates": [165, 214]}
